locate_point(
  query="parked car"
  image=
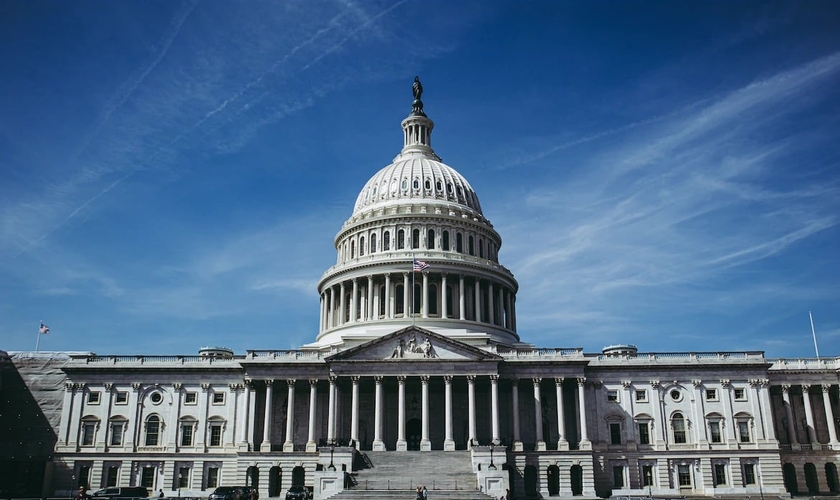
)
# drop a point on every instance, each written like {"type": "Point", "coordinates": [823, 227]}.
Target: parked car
{"type": "Point", "coordinates": [246, 492]}
{"type": "Point", "coordinates": [125, 492]}
{"type": "Point", "coordinates": [228, 493]}
{"type": "Point", "coordinates": [297, 493]}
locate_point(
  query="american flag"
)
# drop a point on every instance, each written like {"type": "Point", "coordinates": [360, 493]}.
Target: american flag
{"type": "Point", "coordinates": [44, 329]}
{"type": "Point", "coordinates": [419, 265]}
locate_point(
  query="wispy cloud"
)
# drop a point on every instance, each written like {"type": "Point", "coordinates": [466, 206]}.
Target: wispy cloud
{"type": "Point", "coordinates": [662, 216]}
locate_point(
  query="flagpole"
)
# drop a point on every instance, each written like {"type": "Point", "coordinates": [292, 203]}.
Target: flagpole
{"type": "Point", "coordinates": [413, 318]}
{"type": "Point", "coordinates": [814, 334]}
{"type": "Point", "coordinates": [38, 342]}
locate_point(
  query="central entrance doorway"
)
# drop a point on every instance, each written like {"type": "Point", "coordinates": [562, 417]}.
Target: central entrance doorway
{"type": "Point", "coordinates": [412, 434]}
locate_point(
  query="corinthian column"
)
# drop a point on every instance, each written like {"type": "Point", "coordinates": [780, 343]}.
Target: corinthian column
{"type": "Point", "coordinates": [809, 414]}
{"type": "Point", "coordinates": [562, 443]}
{"type": "Point", "coordinates": [289, 444]}
{"type": "Point", "coordinates": [402, 445]}
{"type": "Point", "coordinates": [266, 444]}
{"type": "Point", "coordinates": [354, 409]}
{"type": "Point", "coordinates": [378, 444]}
{"type": "Point", "coordinates": [425, 444]}
{"type": "Point", "coordinates": [471, 402]}
{"type": "Point", "coordinates": [313, 403]}
{"type": "Point", "coordinates": [494, 407]}
{"type": "Point", "coordinates": [538, 414]}
{"type": "Point", "coordinates": [517, 435]}
{"type": "Point", "coordinates": [331, 411]}
{"type": "Point", "coordinates": [791, 424]}
{"type": "Point", "coordinates": [829, 416]}
{"type": "Point", "coordinates": [448, 442]}
{"type": "Point", "coordinates": [584, 438]}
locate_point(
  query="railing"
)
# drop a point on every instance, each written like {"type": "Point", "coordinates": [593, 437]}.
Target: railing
{"type": "Point", "coordinates": [686, 357]}
{"type": "Point", "coordinates": [409, 484]}
{"type": "Point", "coordinates": [556, 352]}
{"type": "Point", "coordinates": [286, 355]}
{"type": "Point", "coordinates": [805, 364]}
{"type": "Point", "coordinates": [145, 360]}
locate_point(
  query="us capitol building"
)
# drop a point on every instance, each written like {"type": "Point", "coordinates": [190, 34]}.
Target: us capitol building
{"type": "Point", "coordinates": [418, 376]}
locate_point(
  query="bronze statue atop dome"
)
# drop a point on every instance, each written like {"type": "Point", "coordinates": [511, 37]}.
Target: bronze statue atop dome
{"type": "Point", "coordinates": [417, 91]}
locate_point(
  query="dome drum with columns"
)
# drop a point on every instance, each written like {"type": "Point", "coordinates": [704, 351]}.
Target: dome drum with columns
{"type": "Point", "coordinates": [417, 208]}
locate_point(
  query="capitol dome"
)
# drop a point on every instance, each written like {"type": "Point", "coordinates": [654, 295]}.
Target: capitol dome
{"type": "Point", "coordinates": [417, 250]}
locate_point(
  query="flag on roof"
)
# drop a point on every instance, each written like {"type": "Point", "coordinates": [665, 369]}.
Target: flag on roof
{"type": "Point", "coordinates": [44, 329]}
{"type": "Point", "coordinates": [419, 265]}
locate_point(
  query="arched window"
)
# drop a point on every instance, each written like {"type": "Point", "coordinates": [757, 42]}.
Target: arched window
{"type": "Point", "coordinates": [416, 184]}
{"type": "Point", "coordinates": [678, 425]}
{"type": "Point", "coordinates": [428, 185]}
{"type": "Point", "coordinates": [386, 241]}
{"type": "Point", "coordinates": [471, 246]}
{"type": "Point", "coordinates": [415, 238]}
{"type": "Point", "coordinates": [459, 243]}
{"type": "Point", "coordinates": [352, 249]}
{"type": "Point", "coordinates": [361, 246]}
{"type": "Point", "coordinates": [215, 430]}
{"type": "Point", "coordinates": [400, 239]}
{"type": "Point", "coordinates": [430, 239]}
{"type": "Point", "coordinates": [445, 243]}
{"type": "Point", "coordinates": [373, 243]}
{"type": "Point", "coordinates": [481, 248]}
{"type": "Point", "coordinates": [152, 430]}
{"type": "Point", "coordinates": [89, 426]}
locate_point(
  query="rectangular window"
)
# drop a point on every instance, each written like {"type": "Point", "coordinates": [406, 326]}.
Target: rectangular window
{"type": "Point", "coordinates": [186, 435]}
{"type": "Point", "coordinates": [215, 435]}
{"type": "Point", "coordinates": [684, 473]}
{"type": "Point", "coordinates": [212, 477]}
{"type": "Point", "coordinates": [647, 475]}
{"type": "Point", "coordinates": [147, 477]}
{"type": "Point", "coordinates": [720, 474]}
{"type": "Point", "coordinates": [93, 397]}
{"type": "Point", "coordinates": [612, 396]}
{"type": "Point", "coordinates": [744, 431]}
{"type": "Point", "coordinates": [190, 398]}
{"type": "Point", "coordinates": [749, 474]}
{"type": "Point", "coordinates": [711, 394]}
{"type": "Point", "coordinates": [116, 435]}
{"type": "Point", "coordinates": [740, 394]}
{"type": "Point", "coordinates": [218, 398]}
{"type": "Point", "coordinates": [88, 433]}
{"type": "Point", "coordinates": [641, 396]}
{"type": "Point", "coordinates": [714, 431]}
{"type": "Point", "coordinates": [644, 433]}
{"type": "Point", "coordinates": [615, 433]}
{"type": "Point", "coordinates": [111, 475]}
{"type": "Point", "coordinates": [121, 398]}
{"type": "Point", "coordinates": [183, 477]}
{"type": "Point", "coordinates": [618, 476]}
{"type": "Point", "coordinates": [679, 430]}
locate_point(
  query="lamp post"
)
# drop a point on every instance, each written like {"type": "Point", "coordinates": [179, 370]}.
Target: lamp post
{"type": "Point", "coordinates": [492, 466]}
{"type": "Point", "coordinates": [332, 451]}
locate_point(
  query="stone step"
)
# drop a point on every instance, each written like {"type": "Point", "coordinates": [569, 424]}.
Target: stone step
{"type": "Point", "coordinates": [409, 495]}
{"type": "Point", "coordinates": [405, 470]}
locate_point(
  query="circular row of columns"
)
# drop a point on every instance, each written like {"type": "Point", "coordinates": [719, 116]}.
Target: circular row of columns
{"type": "Point", "coordinates": [809, 414]}
{"type": "Point", "coordinates": [503, 315]}
{"type": "Point", "coordinates": [425, 443]}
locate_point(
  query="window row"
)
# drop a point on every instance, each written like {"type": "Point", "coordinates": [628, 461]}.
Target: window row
{"type": "Point", "coordinates": [644, 429]}
{"type": "Point", "coordinates": [685, 474]}
{"type": "Point", "coordinates": [121, 398]}
{"type": "Point", "coordinates": [359, 245]}
{"type": "Point", "coordinates": [641, 395]}
{"type": "Point", "coordinates": [381, 190]}
{"type": "Point", "coordinates": [152, 431]}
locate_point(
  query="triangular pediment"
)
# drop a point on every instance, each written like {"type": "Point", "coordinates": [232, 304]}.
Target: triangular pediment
{"type": "Point", "coordinates": [413, 344]}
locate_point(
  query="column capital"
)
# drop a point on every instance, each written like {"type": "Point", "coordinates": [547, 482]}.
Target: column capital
{"type": "Point", "coordinates": [696, 383]}
{"type": "Point", "coordinates": [355, 379]}
{"type": "Point", "coordinates": [355, 279]}
{"type": "Point", "coordinates": [447, 379]}
{"type": "Point", "coordinates": [269, 382]}
{"type": "Point", "coordinates": [754, 382]}
{"type": "Point", "coordinates": [626, 383]}
{"type": "Point", "coordinates": [654, 384]}
{"type": "Point", "coordinates": [558, 380]}
{"type": "Point", "coordinates": [313, 382]}
{"type": "Point", "coordinates": [724, 382]}
{"type": "Point", "coordinates": [494, 378]}
{"type": "Point", "coordinates": [405, 274]}
{"type": "Point", "coordinates": [291, 382]}
{"type": "Point", "coordinates": [424, 379]}
{"type": "Point", "coordinates": [471, 378]}
{"type": "Point", "coordinates": [581, 381]}
{"type": "Point", "coordinates": [108, 386]}
{"type": "Point", "coordinates": [785, 388]}
{"type": "Point", "coordinates": [248, 381]}
{"type": "Point", "coordinates": [333, 378]}
{"type": "Point", "coordinates": [378, 378]}
{"type": "Point", "coordinates": [826, 387]}
{"type": "Point", "coordinates": [205, 387]}
{"type": "Point", "coordinates": [537, 381]}
{"type": "Point", "coordinates": [805, 388]}
{"type": "Point", "coordinates": [369, 276]}
{"type": "Point", "coordinates": [401, 379]}
{"type": "Point", "coordinates": [136, 386]}
{"type": "Point", "coordinates": [387, 275]}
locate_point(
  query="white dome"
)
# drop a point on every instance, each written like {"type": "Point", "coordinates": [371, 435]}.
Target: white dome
{"type": "Point", "coordinates": [416, 177]}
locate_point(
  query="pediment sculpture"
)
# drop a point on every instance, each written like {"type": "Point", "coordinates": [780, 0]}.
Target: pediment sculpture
{"type": "Point", "coordinates": [413, 350]}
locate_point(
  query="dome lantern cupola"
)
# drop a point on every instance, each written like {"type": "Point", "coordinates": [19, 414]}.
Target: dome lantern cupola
{"type": "Point", "coordinates": [417, 128]}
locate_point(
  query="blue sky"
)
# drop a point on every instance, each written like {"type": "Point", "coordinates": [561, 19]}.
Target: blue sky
{"type": "Point", "coordinates": [172, 174]}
